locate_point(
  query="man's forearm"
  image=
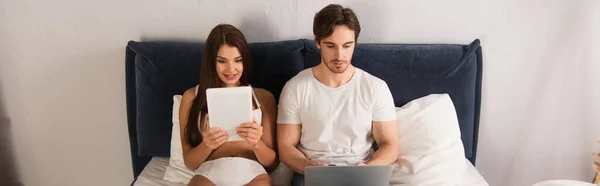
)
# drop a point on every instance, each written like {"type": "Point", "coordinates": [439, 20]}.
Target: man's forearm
{"type": "Point", "coordinates": [294, 159]}
{"type": "Point", "coordinates": [385, 155]}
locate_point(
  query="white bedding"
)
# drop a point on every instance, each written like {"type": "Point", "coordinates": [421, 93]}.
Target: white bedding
{"type": "Point", "coordinates": [472, 176]}
{"type": "Point", "coordinates": [155, 170]}
{"type": "Point", "coordinates": [153, 174]}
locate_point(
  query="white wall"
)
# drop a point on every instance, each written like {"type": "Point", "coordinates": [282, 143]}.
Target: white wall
{"type": "Point", "coordinates": [62, 74]}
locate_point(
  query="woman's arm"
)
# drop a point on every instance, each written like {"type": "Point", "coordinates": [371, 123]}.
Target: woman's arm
{"type": "Point", "coordinates": [267, 156]}
{"type": "Point", "coordinates": [263, 148]}
{"type": "Point", "coordinates": [193, 157]}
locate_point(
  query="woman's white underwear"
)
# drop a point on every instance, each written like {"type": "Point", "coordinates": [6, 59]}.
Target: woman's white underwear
{"type": "Point", "coordinates": [232, 171]}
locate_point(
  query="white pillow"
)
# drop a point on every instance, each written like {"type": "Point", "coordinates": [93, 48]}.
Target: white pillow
{"type": "Point", "coordinates": [431, 150]}
{"type": "Point", "coordinates": [176, 171]}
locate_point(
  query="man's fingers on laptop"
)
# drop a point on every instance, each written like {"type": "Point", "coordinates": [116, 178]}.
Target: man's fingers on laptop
{"type": "Point", "coordinates": [310, 163]}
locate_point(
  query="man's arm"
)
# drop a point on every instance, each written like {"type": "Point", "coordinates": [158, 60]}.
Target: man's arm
{"type": "Point", "coordinates": [288, 137]}
{"type": "Point", "coordinates": [384, 127]}
{"type": "Point", "coordinates": [289, 129]}
{"type": "Point", "coordinates": [386, 137]}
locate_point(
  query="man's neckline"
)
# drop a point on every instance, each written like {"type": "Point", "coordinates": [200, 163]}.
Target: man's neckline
{"type": "Point", "coordinates": [352, 78]}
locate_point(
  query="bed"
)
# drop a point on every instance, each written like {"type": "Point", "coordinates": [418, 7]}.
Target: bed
{"type": "Point", "coordinates": [154, 171]}
{"type": "Point", "coordinates": [157, 70]}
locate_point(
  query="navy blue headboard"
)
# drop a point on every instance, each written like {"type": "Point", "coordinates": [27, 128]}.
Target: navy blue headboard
{"type": "Point", "coordinates": [155, 71]}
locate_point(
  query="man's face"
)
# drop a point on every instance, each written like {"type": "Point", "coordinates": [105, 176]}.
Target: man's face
{"type": "Point", "coordinates": [337, 49]}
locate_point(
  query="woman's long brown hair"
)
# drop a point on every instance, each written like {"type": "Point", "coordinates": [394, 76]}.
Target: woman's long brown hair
{"type": "Point", "coordinates": [222, 34]}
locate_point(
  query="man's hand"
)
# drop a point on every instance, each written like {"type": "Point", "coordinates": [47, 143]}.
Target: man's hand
{"type": "Point", "coordinates": [310, 164]}
{"type": "Point", "coordinates": [288, 137]}
{"type": "Point", "coordinates": [361, 164]}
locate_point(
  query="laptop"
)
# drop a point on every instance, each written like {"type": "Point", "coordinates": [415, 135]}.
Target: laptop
{"type": "Point", "coordinates": [378, 175]}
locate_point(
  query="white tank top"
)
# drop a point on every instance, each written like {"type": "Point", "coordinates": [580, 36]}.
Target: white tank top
{"type": "Point", "coordinates": [257, 113]}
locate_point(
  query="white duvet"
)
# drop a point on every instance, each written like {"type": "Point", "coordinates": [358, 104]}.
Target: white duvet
{"type": "Point", "coordinates": [153, 173]}
{"type": "Point", "coordinates": [432, 152]}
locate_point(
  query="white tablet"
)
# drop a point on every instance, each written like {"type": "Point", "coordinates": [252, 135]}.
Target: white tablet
{"type": "Point", "coordinates": [228, 108]}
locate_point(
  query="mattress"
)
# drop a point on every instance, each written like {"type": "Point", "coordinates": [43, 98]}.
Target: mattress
{"type": "Point", "coordinates": [155, 170]}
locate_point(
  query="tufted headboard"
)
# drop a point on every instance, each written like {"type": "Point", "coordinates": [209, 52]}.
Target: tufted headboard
{"type": "Point", "coordinates": [155, 71]}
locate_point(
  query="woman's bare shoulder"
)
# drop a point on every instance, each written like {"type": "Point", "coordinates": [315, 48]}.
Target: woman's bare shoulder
{"type": "Point", "coordinates": [186, 102]}
{"type": "Point", "coordinates": [189, 94]}
{"type": "Point", "coordinates": [263, 95]}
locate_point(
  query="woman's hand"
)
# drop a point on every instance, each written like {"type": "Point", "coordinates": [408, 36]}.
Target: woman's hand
{"type": "Point", "coordinates": [214, 137]}
{"type": "Point", "coordinates": [251, 132]}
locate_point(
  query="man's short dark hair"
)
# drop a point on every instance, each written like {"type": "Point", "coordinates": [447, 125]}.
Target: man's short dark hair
{"type": "Point", "coordinates": [334, 15]}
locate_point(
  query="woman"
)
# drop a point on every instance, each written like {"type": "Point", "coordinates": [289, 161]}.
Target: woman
{"type": "Point", "coordinates": [226, 62]}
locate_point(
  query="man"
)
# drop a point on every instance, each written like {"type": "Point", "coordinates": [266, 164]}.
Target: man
{"type": "Point", "coordinates": [331, 113]}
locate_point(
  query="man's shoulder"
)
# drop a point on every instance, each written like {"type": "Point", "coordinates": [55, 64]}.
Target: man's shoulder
{"type": "Point", "coordinates": [301, 78]}
{"type": "Point", "coordinates": [370, 79]}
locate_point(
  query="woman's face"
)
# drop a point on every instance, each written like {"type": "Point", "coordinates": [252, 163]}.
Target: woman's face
{"type": "Point", "coordinates": [229, 65]}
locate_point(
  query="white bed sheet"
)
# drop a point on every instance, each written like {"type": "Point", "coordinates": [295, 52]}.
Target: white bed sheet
{"type": "Point", "coordinates": [153, 173]}
{"type": "Point", "coordinates": [155, 170]}
{"type": "Point", "coordinates": [472, 176]}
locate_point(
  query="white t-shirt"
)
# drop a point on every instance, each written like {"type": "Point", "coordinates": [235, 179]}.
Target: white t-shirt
{"type": "Point", "coordinates": [336, 122]}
